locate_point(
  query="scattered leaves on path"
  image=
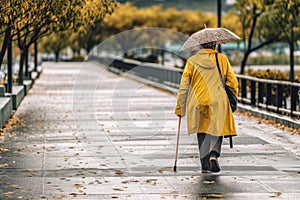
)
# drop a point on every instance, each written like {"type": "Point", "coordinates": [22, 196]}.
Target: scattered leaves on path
{"type": "Point", "coordinates": [13, 121]}
{"type": "Point", "coordinates": [270, 122]}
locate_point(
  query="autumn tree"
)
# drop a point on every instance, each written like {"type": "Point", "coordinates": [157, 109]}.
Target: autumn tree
{"type": "Point", "coordinates": [90, 34]}
{"type": "Point", "coordinates": [8, 15]}
{"type": "Point", "coordinates": [123, 19]}
{"type": "Point", "coordinates": [55, 42]}
{"type": "Point", "coordinates": [33, 19]}
{"type": "Point", "coordinates": [283, 16]}
{"type": "Point", "coordinates": [231, 21]}
{"type": "Point", "coordinates": [128, 17]}
{"type": "Point", "coordinates": [58, 16]}
{"type": "Point", "coordinates": [250, 13]}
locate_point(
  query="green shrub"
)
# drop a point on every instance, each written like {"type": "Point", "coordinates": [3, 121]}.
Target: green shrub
{"type": "Point", "coordinates": [264, 60]}
{"type": "Point", "coordinates": [77, 59]}
{"type": "Point", "coordinates": [273, 75]}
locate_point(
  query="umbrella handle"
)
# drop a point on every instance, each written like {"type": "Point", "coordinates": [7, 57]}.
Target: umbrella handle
{"type": "Point", "coordinates": [177, 144]}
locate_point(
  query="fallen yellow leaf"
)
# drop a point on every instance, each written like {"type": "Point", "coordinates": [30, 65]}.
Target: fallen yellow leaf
{"type": "Point", "coordinates": [78, 185]}
{"type": "Point", "coordinates": [73, 194]}
{"type": "Point", "coordinates": [8, 193]}
{"type": "Point", "coordinates": [119, 172]}
{"type": "Point", "coordinates": [4, 165]}
{"type": "Point", "coordinates": [118, 189]}
{"type": "Point", "coordinates": [3, 149]}
{"type": "Point", "coordinates": [208, 182]}
{"type": "Point", "coordinates": [215, 195]}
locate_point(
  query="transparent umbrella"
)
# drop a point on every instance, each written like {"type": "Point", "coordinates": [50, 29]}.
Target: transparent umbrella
{"type": "Point", "coordinates": [208, 35]}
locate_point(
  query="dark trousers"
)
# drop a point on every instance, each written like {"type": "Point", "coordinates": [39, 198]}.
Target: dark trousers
{"type": "Point", "coordinates": [208, 145]}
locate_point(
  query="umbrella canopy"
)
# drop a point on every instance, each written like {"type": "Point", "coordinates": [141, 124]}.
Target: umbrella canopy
{"type": "Point", "coordinates": [208, 35]}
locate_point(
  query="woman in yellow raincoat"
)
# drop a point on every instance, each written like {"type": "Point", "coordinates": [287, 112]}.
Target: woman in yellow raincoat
{"type": "Point", "coordinates": [202, 98]}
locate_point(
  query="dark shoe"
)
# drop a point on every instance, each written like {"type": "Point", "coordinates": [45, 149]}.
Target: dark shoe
{"type": "Point", "coordinates": [205, 162]}
{"type": "Point", "coordinates": [214, 164]}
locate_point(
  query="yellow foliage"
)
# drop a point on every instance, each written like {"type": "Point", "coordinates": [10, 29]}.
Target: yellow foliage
{"type": "Point", "coordinates": [59, 15]}
{"type": "Point", "coordinates": [232, 22]}
{"type": "Point", "coordinates": [127, 16]}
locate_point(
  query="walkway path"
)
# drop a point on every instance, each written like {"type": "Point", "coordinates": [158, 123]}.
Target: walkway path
{"type": "Point", "coordinates": [84, 133]}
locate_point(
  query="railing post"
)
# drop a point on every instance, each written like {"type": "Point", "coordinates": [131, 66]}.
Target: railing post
{"type": "Point", "coordinates": [294, 96]}
{"type": "Point", "coordinates": [173, 77]}
{"type": "Point", "coordinates": [253, 92]}
{"type": "Point", "coordinates": [261, 92]}
{"type": "Point", "coordinates": [244, 88]}
{"type": "Point", "coordinates": [269, 94]}
{"type": "Point", "coordinates": [279, 97]}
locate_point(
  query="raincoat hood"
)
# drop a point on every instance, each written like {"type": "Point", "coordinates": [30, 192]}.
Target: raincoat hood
{"type": "Point", "coordinates": [205, 61]}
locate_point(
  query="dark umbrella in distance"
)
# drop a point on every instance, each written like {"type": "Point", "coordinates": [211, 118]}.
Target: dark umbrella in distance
{"type": "Point", "coordinates": [209, 35]}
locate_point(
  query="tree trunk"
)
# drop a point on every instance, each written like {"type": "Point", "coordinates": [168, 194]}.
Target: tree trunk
{"type": "Point", "coordinates": [248, 50]}
{"type": "Point", "coordinates": [35, 55]}
{"type": "Point", "coordinates": [21, 74]}
{"type": "Point", "coordinates": [4, 44]}
{"type": "Point", "coordinates": [162, 53]}
{"type": "Point", "coordinates": [244, 62]}
{"type": "Point", "coordinates": [56, 56]}
{"type": "Point", "coordinates": [88, 49]}
{"type": "Point", "coordinates": [26, 64]}
{"type": "Point", "coordinates": [9, 62]}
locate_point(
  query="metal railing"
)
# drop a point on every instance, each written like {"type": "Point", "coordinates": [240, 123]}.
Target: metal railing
{"type": "Point", "coordinates": [280, 97]}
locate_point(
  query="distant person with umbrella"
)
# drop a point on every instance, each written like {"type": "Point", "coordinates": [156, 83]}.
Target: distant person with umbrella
{"type": "Point", "coordinates": [201, 96]}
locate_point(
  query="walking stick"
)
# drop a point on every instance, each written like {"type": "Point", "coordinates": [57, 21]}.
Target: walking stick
{"type": "Point", "coordinates": [177, 143]}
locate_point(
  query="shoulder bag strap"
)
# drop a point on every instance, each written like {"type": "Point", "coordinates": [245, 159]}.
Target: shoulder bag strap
{"type": "Point", "coordinates": [230, 137]}
{"type": "Point", "coordinates": [220, 74]}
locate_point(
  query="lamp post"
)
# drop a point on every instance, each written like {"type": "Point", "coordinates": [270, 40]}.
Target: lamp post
{"type": "Point", "coordinates": [219, 18]}
{"type": "Point", "coordinates": [292, 63]}
{"type": "Point", "coordinates": [219, 13]}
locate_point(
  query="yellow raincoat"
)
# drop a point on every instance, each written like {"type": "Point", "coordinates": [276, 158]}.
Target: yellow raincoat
{"type": "Point", "coordinates": [202, 97]}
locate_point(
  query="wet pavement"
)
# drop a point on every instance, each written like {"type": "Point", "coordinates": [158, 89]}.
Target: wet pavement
{"type": "Point", "coordinates": [85, 133]}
